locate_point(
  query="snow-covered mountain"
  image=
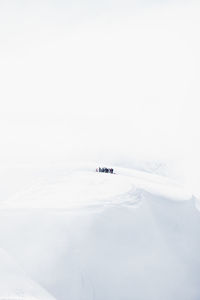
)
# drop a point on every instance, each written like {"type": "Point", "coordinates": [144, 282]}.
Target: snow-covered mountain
{"type": "Point", "coordinates": [68, 232]}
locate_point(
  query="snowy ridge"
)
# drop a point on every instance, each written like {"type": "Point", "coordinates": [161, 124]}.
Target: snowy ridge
{"type": "Point", "coordinates": [81, 188]}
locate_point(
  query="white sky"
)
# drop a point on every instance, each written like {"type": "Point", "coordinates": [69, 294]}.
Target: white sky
{"type": "Point", "coordinates": [94, 77]}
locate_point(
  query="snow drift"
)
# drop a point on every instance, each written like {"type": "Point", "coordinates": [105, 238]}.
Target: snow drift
{"type": "Point", "coordinates": [85, 235]}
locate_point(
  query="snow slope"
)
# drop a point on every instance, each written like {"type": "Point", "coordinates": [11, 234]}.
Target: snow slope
{"type": "Point", "coordinates": [86, 235]}
{"type": "Point", "coordinates": [15, 284]}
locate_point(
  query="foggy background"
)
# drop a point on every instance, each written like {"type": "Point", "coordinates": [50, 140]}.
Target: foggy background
{"type": "Point", "coordinates": [112, 81]}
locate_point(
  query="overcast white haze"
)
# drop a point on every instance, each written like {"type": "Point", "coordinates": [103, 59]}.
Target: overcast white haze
{"type": "Point", "coordinates": [118, 78]}
{"type": "Point", "coordinates": [91, 83]}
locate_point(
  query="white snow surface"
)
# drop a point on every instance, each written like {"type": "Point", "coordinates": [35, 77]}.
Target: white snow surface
{"type": "Point", "coordinates": [68, 232]}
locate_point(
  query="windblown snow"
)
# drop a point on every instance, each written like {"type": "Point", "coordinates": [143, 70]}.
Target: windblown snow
{"type": "Point", "coordinates": [68, 232]}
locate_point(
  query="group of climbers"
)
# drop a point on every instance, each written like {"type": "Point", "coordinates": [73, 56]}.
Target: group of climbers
{"type": "Point", "coordinates": [105, 170]}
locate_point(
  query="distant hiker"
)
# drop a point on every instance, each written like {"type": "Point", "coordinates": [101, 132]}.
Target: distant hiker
{"type": "Point", "coordinates": [105, 170]}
